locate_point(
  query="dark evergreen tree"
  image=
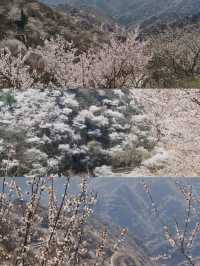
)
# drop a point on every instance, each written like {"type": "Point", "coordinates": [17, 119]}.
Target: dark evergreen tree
{"type": "Point", "coordinates": [21, 24]}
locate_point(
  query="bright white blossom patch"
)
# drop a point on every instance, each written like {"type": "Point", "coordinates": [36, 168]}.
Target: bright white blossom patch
{"type": "Point", "coordinates": [71, 129]}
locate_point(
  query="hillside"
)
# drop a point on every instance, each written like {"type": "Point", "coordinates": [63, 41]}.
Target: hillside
{"type": "Point", "coordinates": [43, 21]}
{"type": "Point", "coordinates": [31, 22]}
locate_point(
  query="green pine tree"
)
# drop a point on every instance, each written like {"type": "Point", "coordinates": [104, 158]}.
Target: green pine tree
{"type": "Point", "coordinates": [21, 24]}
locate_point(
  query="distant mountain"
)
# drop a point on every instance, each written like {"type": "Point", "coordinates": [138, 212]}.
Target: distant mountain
{"type": "Point", "coordinates": [137, 11]}
{"type": "Point", "coordinates": [160, 24]}
{"type": "Point", "coordinates": [123, 202]}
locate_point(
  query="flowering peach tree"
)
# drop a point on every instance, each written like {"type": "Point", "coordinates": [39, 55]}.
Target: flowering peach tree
{"type": "Point", "coordinates": [14, 72]}
{"type": "Point", "coordinates": [54, 232]}
{"type": "Point", "coordinates": [58, 63]}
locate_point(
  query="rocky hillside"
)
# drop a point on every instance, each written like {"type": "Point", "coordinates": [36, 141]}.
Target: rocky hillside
{"type": "Point", "coordinates": [31, 22]}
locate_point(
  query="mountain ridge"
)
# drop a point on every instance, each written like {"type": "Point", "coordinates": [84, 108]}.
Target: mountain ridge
{"type": "Point", "coordinates": [135, 12]}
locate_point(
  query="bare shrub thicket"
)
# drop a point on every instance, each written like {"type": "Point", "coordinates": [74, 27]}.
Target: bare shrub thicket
{"type": "Point", "coordinates": [31, 234]}
{"type": "Point", "coordinates": [176, 57]}
{"type": "Point", "coordinates": [120, 63]}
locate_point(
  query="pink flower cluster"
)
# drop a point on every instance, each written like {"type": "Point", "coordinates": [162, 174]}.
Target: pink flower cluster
{"type": "Point", "coordinates": [59, 64]}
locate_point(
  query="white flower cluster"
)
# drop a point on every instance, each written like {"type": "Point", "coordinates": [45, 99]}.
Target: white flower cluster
{"type": "Point", "coordinates": [72, 129]}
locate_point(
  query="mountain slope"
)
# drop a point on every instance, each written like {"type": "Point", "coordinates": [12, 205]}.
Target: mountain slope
{"type": "Point", "coordinates": [43, 21]}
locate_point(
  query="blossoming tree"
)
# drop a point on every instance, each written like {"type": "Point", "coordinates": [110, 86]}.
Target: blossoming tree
{"type": "Point", "coordinates": [117, 64]}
